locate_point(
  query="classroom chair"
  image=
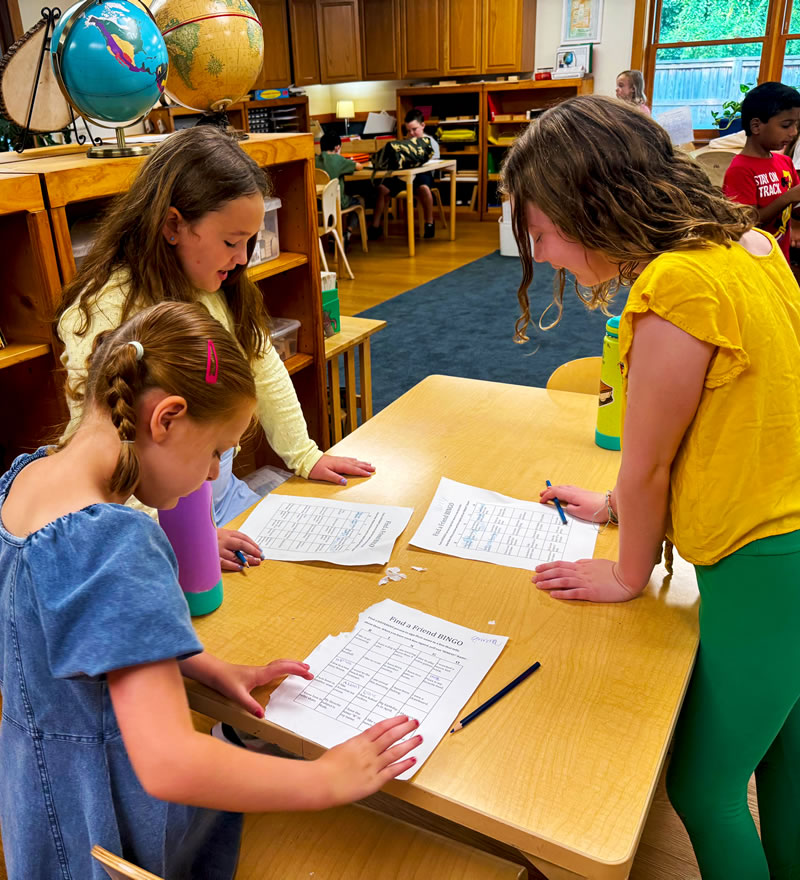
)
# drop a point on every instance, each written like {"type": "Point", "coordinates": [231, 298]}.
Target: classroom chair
{"type": "Point", "coordinates": [399, 201]}
{"type": "Point", "coordinates": [330, 208]}
{"type": "Point", "coordinates": [581, 376]}
{"type": "Point", "coordinates": [715, 163]}
{"type": "Point", "coordinates": [321, 177]}
{"type": "Point", "coordinates": [344, 843]}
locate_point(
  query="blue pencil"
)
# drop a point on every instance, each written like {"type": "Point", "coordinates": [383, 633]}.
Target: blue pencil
{"type": "Point", "coordinates": [492, 700]}
{"type": "Point", "coordinates": [242, 558]}
{"type": "Point", "coordinates": [558, 505]}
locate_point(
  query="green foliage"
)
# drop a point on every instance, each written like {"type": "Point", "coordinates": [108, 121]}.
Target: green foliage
{"type": "Point", "coordinates": [685, 21]}
{"type": "Point", "coordinates": [731, 109]}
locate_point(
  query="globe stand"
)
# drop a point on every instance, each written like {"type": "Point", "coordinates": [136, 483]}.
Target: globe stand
{"type": "Point", "coordinates": [221, 121]}
{"type": "Point", "coordinates": [120, 150]}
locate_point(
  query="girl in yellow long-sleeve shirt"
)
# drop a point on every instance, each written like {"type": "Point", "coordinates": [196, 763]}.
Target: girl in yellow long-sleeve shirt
{"type": "Point", "coordinates": [710, 354]}
{"type": "Point", "coordinates": [184, 231]}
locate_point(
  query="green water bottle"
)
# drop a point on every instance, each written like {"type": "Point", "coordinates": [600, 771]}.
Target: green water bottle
{"type": "Point", "coordinates": [609, 411]}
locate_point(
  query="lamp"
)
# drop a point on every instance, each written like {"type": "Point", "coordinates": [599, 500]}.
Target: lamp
{"type": "Point", "coordinates": [345, 110]}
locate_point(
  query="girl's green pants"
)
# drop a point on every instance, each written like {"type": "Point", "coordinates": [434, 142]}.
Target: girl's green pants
{"type": "Point", "coordinates": [742, 715]}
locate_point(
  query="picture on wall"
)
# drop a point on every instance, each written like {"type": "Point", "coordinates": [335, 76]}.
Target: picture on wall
{"type": "Point", "coordinates": [573, 61]}
{"type": "Point", "coordinates": [582, 21]}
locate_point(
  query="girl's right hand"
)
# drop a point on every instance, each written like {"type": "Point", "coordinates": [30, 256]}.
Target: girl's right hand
{"type": "Point", "coordinates": [590, 506]}
{"type": "Point", "coordinates": [365, 763]}
{"type": "Point", "coordinates": [229, 540]}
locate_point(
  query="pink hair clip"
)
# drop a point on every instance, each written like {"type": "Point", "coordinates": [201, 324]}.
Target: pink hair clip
{"type": "Point", "coordinates": [212, 364]}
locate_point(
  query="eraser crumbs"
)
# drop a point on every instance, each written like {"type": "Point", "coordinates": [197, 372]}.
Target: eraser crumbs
{"type": "Point", "coordinates": [382, 581]}
{"type": "Point", "coordinates": [418, 568]}
{"type": "Point", "coordinates": [492, 622]}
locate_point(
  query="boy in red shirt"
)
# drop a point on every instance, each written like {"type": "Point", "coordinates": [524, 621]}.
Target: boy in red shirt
{"type": "Point", "coordinates": [759, 177]}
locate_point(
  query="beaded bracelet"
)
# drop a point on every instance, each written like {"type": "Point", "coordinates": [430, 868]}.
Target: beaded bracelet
{"type": "Point", "coordinates": [612, 517]}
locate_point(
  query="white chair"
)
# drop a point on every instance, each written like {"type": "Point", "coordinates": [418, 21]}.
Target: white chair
{"type": "Point", "coordinates": [715, 163]}
{"type": "Point", "coordinates": [330, 209]}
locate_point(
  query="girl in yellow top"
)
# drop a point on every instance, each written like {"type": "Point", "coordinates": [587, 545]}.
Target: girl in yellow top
{"type": "Point", "coordinates": [185, 231]}
{"type": "Point", "coordinates": [711, 448]}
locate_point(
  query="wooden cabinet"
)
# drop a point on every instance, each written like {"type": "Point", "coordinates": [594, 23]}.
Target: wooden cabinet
{"type": "Point", "coordinates": [423, 46]}
{"type": "Point", "coordinates": [305, 45]}
{"type": "Point", "coordinates": [509, 28]}
{"type": "Point", "coordinates": [339, 38]}
{"type": "Point", "coordinates": [276, 71]}
{"type": "Point", "coordinates": [78, 188]}
{"type": "Point", "coordinates": [463, 29]}
{"type": "Point", "coordinates": [381, 43]}
{"type": "Point", "coordinates": [165, 120]}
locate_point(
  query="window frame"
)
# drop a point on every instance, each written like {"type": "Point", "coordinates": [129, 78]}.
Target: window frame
{"type": "Point", "coordinates": [646, 21]}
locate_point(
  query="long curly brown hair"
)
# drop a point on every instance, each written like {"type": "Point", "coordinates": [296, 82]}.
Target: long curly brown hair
{"type": "Point", "coordinates": [195, 171]}
{"type": "Point", "coordinates": [608, 177]}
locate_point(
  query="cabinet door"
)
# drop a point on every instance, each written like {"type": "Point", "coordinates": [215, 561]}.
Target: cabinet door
{"type": "Point", "coordinates": [508, 35]}
{"type": "Point", "coordinates": [464, 36]}
{"type": "Point", "coordinates": [305, 47]}
{"type": "Point", "coordinates": [276, 71]}
{"type": "Point", "coordinates": [339, 40]}
{"type": "Point", "coordinates": [423, 42]}
{"type": "Point", "coordinates": [380, 39]}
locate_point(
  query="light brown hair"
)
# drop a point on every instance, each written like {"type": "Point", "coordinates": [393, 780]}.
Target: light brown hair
{"type": "Point", "coordinates": [195, 171]}
{"type": "Point", "coordinates": [636, 79]}
{"type": "Point", "coordinates": [608, 177]}
{"type": "Point", "coordinates": [175, 342]}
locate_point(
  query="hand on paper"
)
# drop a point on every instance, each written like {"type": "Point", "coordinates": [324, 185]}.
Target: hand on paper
{"type": "Point", "coordinates": [365, 763]}
{"type": "Point", "coordinates": [230, 540]}
{"type": "Point", "coordinates": [236, 682]}
{"type": "Point", "coordinates": [586, 505]}
{"type": "Point", "coordinates": [593, 580]}
{"type": "Point", "coordinates": [331, 469]}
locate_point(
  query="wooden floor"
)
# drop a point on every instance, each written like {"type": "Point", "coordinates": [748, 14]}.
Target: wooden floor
{"type": "Point", "coordinates": [387, 271]}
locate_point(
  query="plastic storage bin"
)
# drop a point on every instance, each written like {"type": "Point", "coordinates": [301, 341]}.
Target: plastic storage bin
{"type": "Point", "coordinates": [267, 246]}
{"type": "Point", "coordinates": [284, 336]}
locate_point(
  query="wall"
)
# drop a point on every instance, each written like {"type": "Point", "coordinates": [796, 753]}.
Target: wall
{"type": "Point", "coordinates": [608, 58]}
{"type": "Point", "coordinates": [365, 95]}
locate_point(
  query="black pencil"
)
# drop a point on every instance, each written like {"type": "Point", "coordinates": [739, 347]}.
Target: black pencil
{"type": "Point", "coordinates": [492, 700]}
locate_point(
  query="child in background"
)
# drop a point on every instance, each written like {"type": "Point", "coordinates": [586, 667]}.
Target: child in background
{"type": "Point", "coordinates": [184, 231]}
{"type": "Point", "coordinates": [630, 88]}
{"type": "Point", "coordinates": [95, 632]}
{"type": "Point", "coordinates": [337, 166]}
{"type": "Point", "coordinates": [423, 183]}
{"type": "Point", "coordinates": [710, 356]}
{"type": "Point", "coordinates": [768, 181]}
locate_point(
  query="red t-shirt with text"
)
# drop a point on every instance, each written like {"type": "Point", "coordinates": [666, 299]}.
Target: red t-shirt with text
{"type": "Point", "coordinates": [757, 182]}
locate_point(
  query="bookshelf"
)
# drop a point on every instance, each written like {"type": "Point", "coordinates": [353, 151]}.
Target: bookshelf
{"type": "Point", "coordinates": [32, 403]}
{"type": "Point", "coordinates": [165, 120]}
{"type": "Point", "coordinates": [78, 188]}
{"type": "Point", "coordinates": [278, 115]}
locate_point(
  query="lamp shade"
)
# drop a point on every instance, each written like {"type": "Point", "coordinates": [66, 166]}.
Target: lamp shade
{"type": "Point", "coordinates": [345, 110]}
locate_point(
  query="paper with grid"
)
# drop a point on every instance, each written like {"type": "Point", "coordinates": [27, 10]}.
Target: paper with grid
{"type": "Point", "coordinates": [397, 661]}
{"type": "Point", "coordinates": [478, 524]}
{"type": "Point", "coordinates": [293, 529]}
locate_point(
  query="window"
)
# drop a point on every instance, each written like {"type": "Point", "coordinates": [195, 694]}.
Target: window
{"type": "Point", "coordinates": [698, 52]}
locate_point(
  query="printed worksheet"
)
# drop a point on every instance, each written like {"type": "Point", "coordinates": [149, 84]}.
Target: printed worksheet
{"type": "Point", "coordinates": [397, 661]}
{"type": "Point", "coordinates": [293, 529]}
{"type": "Point", "coordinates": [478, 524]}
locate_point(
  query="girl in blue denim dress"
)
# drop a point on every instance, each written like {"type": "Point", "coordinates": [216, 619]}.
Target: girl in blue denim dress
{"type": "Point", "coordinates": [96, 741]}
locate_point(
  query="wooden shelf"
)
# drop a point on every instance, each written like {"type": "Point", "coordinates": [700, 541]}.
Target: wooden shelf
{"type": "Point", "coordinates": [444, 153]}
{"type": "Point", "coordinates": [282, 263]}
{"type": "Point", "coordinates": [17, 352]}
{"type": "Point", "coordinates": [494, 177]}
{"type": "Point", "coordinates": [297, 362]}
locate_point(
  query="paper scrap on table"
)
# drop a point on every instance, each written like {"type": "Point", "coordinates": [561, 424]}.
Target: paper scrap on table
{"type": "Point", "coordinates": [293, 529]}
{"type": "Point", "coordinates": [397, 661]}
{"type": "Point", "coordinates": [479, 524]}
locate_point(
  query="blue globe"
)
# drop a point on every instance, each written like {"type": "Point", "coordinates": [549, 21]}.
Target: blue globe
{"type": "Point", "coordinates": [112, 60]}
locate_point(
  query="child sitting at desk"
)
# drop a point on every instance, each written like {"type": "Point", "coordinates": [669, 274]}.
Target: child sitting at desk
{"type": "Point", "coordinates": [336, 166]}
{"type": "Point", "coordinates": [710, 355]}
{"type": "Point", "coordinates": [97, 744]}
{"type": "Point", "coordinates": [630, 88]}
{"type": "Point", "coordinates": [423, 183]}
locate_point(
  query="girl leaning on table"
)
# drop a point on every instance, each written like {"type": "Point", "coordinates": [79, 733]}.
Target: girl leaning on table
{"type": "Point", "coordinates": [97, 744]}
{"type": "Point", "coordinates": [710, 361]}
{"type": "Point", "coordinates": [184, 232]}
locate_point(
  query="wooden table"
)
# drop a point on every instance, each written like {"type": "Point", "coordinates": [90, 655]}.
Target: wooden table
{"type": "Point", "coordinates": [408, 176]}
{"type": "Point", "coordinates": [564, 768]}
{"type": "Point", "coordinates": [354, 334]}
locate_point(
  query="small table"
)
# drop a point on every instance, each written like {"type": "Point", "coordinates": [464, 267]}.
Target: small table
{"type": "Point", "coordinates": [354, 332]}
{"type": "Point", "coordinates": [408, 176]}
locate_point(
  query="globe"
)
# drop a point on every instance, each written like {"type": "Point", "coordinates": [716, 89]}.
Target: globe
{"type": "Point", "coordinates": [110, 59]}
{"type": "Point", "coordinates": [215, 47]}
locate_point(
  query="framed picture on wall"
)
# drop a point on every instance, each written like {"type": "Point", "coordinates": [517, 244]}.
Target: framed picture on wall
{"type": "Point", "coordinates": [582, 21]}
